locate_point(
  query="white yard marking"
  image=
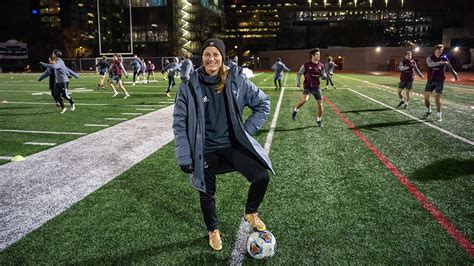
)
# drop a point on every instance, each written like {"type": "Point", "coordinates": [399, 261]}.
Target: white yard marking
{"type": "Point", "coordinates": [449, 133]}
{"type": "Point", "coordinates": [86, 104]}
{"type": "Point", "coordinates": [116, 118]}
{"type": "Point", "coordinates": [238, 253]}
{"type": "Point", "coordinates": [40, 143]}
{"type": "Point", "coordinates": [6, 158]}
{"type": "Point", "coordinates": [95, 125]}
{"type": "Point", "coordinates": [42, 132]}
{"type": "Point", "coordinates": [132, 113]}
{"type": "Point", "coordinates": [145, 109]}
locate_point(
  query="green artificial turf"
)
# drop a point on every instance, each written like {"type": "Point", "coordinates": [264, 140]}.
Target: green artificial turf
{"type": "Point", "coordinates": [331, 202]}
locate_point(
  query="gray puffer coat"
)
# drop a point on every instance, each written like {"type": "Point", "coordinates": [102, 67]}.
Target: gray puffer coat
{"type": "Point", "coordinates": [189, 121]}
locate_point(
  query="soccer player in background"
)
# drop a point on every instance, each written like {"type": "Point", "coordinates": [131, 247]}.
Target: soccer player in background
{"type": "Point", "coordinates": [408, 69]}
{"type": "Point", "coordinates": [224, 143]}
{"type": "Point", "coordinates": [136, 64]}
{"type": "Point", "coordinates": [437, 64]}
{"type": "Point", "coordinates": [165, 64]}
{"type": "Point", "coordinates": [312, 71]}
{"type": "Point", "coordinates": [103, 66]}
{"type": "Point", "coordinates": [150, 69]}
{"type": "Point", "coordinates": [278, 69]}
{"type": "Point", "coordinates": [329, 67]}
{"type": "Point", "coordinates": [186, 66]}
{"type": "Point", "coordinates": [171, 69]}
{"type": "Point", "coordinates": [50, 72]}
{"type": "Point", "coordinates": [115, 76]}
{"type": "Point", "coordinates": [234, 61]}
{"type": "Point", "coordinates": [61, 73]}
{"type": "Point", "coordinates": [141, 72]}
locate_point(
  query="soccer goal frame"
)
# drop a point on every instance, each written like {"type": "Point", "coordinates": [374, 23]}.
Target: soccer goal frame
{"type": "Point", "coordinates": [131, 31]}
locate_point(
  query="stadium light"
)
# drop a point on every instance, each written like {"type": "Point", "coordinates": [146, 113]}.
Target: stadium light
{"type": "Point", "coordinates": [378, 49]}
{"type": "Point", "coordinates": [371, 2]}
{"type": "Point", "coordinates": [386, 3]}
{"type": "Point", "coordinates": [355, 3]}
{"type": "Point", "coordinates": [417, 49]}
{"type": "Point", "coordinates": [340, 3]}
{"type": "Point", "coordinates": [456, 49]}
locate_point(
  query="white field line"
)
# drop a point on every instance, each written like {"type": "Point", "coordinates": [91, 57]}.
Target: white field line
{"type": "Point", "coordinates": [240, 245]}
{"type": "Point", "coordinates": [389, 89]}
{"type": "Point", "coordinates": [83, 91]}
{"type": "Point", "coordinates": [6, 158]}
{"type": "Point", "coordinates": [132, 113]}
{"type": "Point", "coordinates": [417, 119]}
{"type": "Point", "coordinates": [268, 142]}
{"type": "Point", "coordinates": [40, 143]}
{"type": "Point", "coordinates": [256, 75]}
{"type": "Point", "coordinates": [288, 87]}
{"type": "Point", "coordinates": [145, 109]}
{"type": "Point", "coordinates": [95, 125]}
{"type": "Point", "coordinates": [238, 253]}
{"type": "Point", "coordinates": [116, 118]}
{"type": "Point", "coordinates": [86, 104]}
{"type": "Point", "coordinates": [42, 132]}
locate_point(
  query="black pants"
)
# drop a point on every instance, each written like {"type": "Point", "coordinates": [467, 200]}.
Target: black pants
{"type": "Point", "coordinates": [135, 73]}
{"type": "Point", "coordinates": [329, 80]}
{"type": "Point", "coordinates": [170, 83]}
{"type": "Point", "coordinates": [60, 89]}
{"type": "Point", "coordinates": [238, 159]}
{"type": "Point", "coordinates": [279, 83]}
{"type": "Point", "coordinates": [51, 85]}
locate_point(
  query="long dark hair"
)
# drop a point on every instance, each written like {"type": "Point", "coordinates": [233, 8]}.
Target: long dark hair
{"type": "Point", "coordinates": [223, 71]}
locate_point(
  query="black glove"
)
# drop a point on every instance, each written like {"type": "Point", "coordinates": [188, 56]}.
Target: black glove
{"type": "Point", "coordinates": [188, 168]}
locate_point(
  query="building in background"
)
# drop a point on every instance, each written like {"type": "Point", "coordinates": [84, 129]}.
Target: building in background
{"type": "Point", "coordinates": [253, 26]}
{"type": "Point", "coordinates": [150, 27]}
{"type": "Point", "coordinates": [171, 27]}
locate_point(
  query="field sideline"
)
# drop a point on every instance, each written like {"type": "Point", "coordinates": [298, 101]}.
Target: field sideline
{"type": "Point", "coordinates": [375, 184]}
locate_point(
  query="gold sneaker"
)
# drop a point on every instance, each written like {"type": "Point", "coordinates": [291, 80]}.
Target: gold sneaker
{"type": "Point", "coordinates": [215, 240]}
{"type": "Point", "coordinates": [254, 221]}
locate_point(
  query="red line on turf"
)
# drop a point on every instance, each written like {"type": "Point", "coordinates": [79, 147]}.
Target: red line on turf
{"type": "Point", "coordinates": [463, 241]}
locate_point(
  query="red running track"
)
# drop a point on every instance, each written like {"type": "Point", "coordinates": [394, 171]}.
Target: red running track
{"type": "Point", "coordinates": [462, 240]}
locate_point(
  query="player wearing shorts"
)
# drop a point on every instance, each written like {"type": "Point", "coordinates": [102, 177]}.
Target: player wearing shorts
{"type": "Point", "coordinates": [312, 71]}
{"type": "Point", "coordinates": [437, 63]}
{"type": "Point", "coordinates": [408, 69]}
{"type": "Point", "coordinates": [115, 76]}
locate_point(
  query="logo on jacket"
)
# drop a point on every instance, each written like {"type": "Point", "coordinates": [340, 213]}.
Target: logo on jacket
{"type": "Point", "coordinates": [205, 99]}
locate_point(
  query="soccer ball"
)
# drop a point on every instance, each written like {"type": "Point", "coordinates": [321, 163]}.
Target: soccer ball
{"type": "Point", "coordinates": [261, 245]}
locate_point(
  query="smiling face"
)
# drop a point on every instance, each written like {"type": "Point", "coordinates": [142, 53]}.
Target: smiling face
{"type": "Point", "coordinates": [211, 60]}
